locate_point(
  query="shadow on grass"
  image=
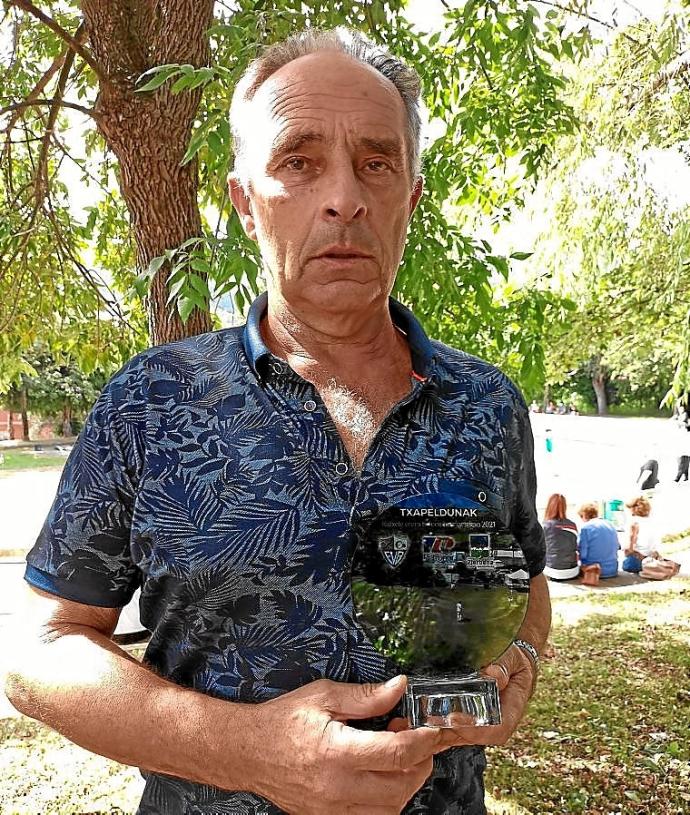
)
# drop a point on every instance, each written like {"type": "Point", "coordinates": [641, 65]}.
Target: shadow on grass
{"type": "Point", "coordinates": [607, 730]}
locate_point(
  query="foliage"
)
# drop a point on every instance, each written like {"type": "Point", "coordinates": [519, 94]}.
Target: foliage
{"type": "Point", "coordinates": [52, 387]}
{"type": "Point", "coordinates": [618, 242]}
{"type": "Point", "coordinates": [494, 87]}
{"type": "Point", "coordinates": [54, 269]}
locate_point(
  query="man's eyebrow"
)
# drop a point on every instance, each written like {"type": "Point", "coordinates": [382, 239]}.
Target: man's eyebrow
{"type": "Point", "coordinates": [389, 147]}
{"type": "Point", "coordinates": [290, 142]}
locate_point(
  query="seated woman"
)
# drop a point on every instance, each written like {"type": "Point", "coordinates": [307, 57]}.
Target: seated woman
{"type": "Point", "coordinates": [641, 553]}
{"type": "Point", "coordinates": [598, 542]}
{"type": "Point", "coordinates": [561, 541]}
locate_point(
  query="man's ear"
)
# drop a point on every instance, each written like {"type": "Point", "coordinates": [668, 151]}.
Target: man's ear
{"type": "Point", "coordinates": [416, 194]}
{"type": "Point", "coordinates": [243, 206]}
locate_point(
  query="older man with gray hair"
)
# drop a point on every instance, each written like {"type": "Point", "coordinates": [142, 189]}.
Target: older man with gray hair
{"type": "Point", "coordinates": [224, 475]}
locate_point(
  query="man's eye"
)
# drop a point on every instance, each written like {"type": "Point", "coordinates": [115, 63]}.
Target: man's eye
{"type": "Point", "coordinates": [296, 163]}
{"type": "Point", "coordinates": [377, 165]}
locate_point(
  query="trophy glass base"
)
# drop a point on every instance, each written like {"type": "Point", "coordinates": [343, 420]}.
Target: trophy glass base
{"type": "Point", "coordinates": [432, 702]}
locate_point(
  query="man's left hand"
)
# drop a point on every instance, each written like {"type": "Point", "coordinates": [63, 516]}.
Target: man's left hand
{"type": "Point", "coordinates": [516, 676]}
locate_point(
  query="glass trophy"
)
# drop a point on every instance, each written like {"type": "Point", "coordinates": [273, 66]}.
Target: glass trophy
{"type": "Point", "coordinates": [440, 588]}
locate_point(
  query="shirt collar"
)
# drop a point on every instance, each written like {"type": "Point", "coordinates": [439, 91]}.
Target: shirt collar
{"type": "Point", "coordinates": [421, 349]}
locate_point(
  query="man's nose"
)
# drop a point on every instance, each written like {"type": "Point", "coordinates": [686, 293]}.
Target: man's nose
{"type": "Point", "coordinates": [344, 198]}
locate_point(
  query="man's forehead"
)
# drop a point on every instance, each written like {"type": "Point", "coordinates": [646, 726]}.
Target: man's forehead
{"type": "Point", "coordinates": [329, 81]}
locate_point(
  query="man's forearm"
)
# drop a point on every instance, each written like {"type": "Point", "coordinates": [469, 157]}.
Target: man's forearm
{"type": "Point", "coordinates": [82, 685]}
{"type": "Point", "coordinates": [537, 623]}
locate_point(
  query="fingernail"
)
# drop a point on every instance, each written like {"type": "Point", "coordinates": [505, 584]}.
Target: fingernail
{"type": "Point", "coordinates": [391, 683]}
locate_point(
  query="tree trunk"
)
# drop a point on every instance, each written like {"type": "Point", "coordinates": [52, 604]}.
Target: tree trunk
{"type": "Point", "coordinates": [599, 385]}
{"type": "Point", "coordinates": [23, 406]}
{"type": "Point", "coordinates": [67, 419]}
{"type": "Point", "coordinates": [149, 132]}
{"type": "Point", "coordinates": [10, 425]}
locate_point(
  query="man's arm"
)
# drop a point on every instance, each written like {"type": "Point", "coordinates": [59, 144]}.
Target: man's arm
{"type": "Point", "coordinates": [632, 539]}
{"type": "Point", "coordinates": [296, 750]}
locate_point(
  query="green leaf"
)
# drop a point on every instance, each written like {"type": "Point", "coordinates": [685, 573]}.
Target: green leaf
{"type": "Point", "coordinates": [159, 76]}
{"type": "Point", "coordinates": [185, 306]}
{"type": "Point", "coordinates": [154, 265]}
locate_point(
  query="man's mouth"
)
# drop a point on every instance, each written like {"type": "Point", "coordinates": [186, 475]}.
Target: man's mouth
{"type": "Point", "coordinates": [344, 253]}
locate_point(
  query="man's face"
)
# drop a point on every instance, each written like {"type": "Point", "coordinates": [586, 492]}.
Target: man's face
{"type": "Point", "coordinates": [329, 190]}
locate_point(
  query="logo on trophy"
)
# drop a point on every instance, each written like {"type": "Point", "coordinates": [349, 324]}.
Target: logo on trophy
{"type": "Point", "coordinates": [440, 589]}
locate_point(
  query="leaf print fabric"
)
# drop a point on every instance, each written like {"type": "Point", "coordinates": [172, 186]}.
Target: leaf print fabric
{"type": "Point", "coordinates": [200, 476]}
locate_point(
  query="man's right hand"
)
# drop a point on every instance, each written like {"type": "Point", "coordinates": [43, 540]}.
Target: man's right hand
{"type": "Point", "coordinates": [307, 761]}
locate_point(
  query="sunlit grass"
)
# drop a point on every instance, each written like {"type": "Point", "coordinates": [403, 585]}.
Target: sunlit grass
{"type": "Point", "coordinates": [607, 731]}
{"type": "Point", "coordinates": [18, 460]}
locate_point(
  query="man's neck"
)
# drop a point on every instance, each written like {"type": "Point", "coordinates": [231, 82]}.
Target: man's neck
{"type": "Point", "coordinates": [318, 347]}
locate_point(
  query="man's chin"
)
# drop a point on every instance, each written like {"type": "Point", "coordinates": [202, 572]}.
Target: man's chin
{"type": "Point", "coordinates": [346, 295]}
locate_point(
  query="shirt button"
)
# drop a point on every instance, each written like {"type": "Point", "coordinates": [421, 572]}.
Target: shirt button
{"type": "Point", "coordinates": [277, 367]}
{"type": "Point", "coordinates": [310, 405]}
{"type": "Point", "coordinates": [341, 468]}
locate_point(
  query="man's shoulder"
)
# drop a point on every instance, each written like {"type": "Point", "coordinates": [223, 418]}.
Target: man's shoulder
{"type": "Point", "coordinates": [185, 360]}
{"type": "Point", "coordinates": [206, 345]}
{"type": "Point", "coordinates": [480, 376]}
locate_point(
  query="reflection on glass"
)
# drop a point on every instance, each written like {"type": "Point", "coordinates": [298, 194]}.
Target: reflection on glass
{"type": "Point", "coordinates": [438, 630]}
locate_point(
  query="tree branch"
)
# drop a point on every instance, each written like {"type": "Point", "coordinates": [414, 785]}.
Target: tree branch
{"type": "Point", "coordinates": [36, 92]}
{"type": "Point", "coordinates": [81, 166]}
{"type": "Point", "coordinates": [665, 77]}
{"type": "Point", "coordinates": [38, 102]}
{"type": "Point", "coordinates": [587, 16]}
{"type": "Point", "coordinates": [71, 40]}
{"type": "Point", "coordinates": [79, 36]}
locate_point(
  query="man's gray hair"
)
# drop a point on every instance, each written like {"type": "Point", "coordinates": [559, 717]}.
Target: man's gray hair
{"type": "Point", "coordinates": [346, 41]}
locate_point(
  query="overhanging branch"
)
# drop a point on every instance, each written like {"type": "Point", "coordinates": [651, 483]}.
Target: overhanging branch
{"type": "Point", "coordinates": [586, 16]}
{"type": "Point", "coordinates": [27, 103]}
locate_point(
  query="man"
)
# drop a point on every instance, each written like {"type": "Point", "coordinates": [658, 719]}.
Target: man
{"type": "Point", "coordinates": [225, 473]}
{"type": "Point", "coordinates": [598, 542]}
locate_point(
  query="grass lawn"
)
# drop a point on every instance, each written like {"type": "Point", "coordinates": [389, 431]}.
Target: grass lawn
{"type": "Point", "coordinates": [606, 732]}
{"type": "Point", "coordinates": [16, 460]}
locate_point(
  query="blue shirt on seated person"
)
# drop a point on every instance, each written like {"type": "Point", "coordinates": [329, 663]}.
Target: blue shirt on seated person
{"type": "Point", "coordinates": [598, 541]}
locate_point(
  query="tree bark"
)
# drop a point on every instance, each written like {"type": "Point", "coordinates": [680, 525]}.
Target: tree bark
{"type": "Point", "coordinates": [599, 385]}
{"type": "Point", "coordinates": [10, 425]}
{"type": "Point", "coordinates": [23, 406]}
{"type": "Point", "coordinates": [67, 419]}
{"type": "Point", "coordinates": [149, 132]}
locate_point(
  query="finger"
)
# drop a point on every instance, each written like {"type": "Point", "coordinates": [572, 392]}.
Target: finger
{"type": "Point", "coordinates": [363, 701]}
{"type": "Point", "coordinates": [514, 700]}
{"type": "Point", "coordinates": [397, 725]}
{"type": "Point", "coordinates": [500, 672]}
{"type": "Point", "coordinates": [385, 751]}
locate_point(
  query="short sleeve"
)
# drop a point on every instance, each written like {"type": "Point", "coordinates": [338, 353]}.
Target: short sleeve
{"type": "Point", "coordinates": [83, 550]}
{"type": "Point", "coordinates": [524, 520]}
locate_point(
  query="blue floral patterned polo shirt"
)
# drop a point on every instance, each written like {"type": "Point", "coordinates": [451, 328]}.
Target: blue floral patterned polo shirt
{"type": "Point", "coordinates": [210, 474]}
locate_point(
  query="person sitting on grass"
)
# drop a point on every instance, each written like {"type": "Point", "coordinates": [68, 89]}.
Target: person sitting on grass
{"type": "Point", "coordinates": [641, 553]}
{"type": "Point", "coordinates": [561, 541]}
{"type": "Point", "coordinates": [598, 541]}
